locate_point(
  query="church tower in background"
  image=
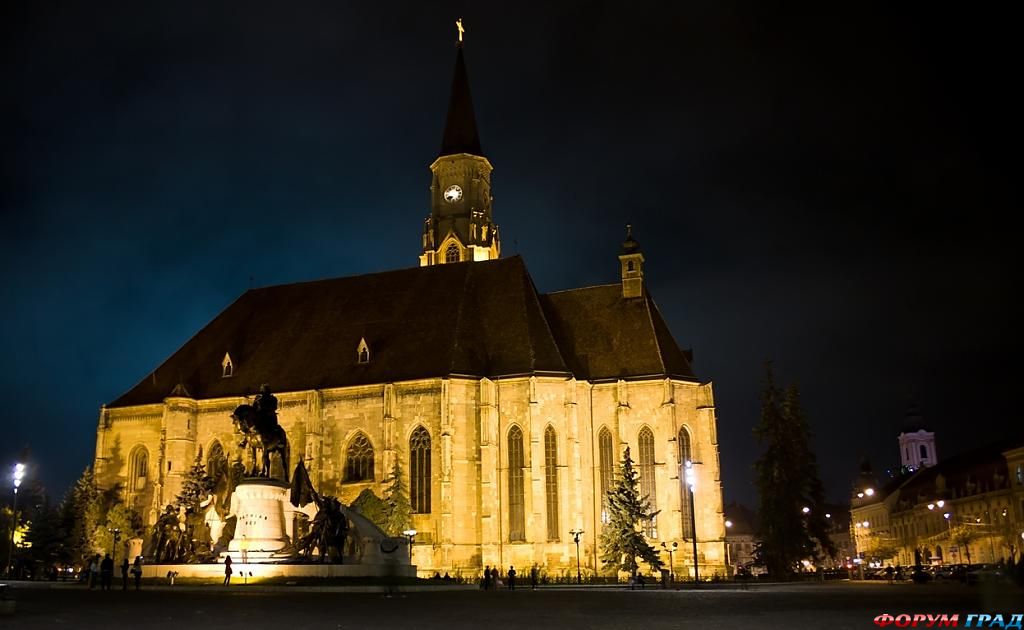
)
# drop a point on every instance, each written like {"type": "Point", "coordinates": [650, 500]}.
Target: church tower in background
{"type": "Point", "coordinates": [917, 443]}
{"type": "Point", "coordinates": [460, 227]}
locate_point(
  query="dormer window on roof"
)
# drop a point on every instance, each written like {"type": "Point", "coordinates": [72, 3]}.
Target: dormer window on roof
{"type": "Point", "coordinates": [228, 365]}
{"type": "Point", "coordinates": [363, 351]}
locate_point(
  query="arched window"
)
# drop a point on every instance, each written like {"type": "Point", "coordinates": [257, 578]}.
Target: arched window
{"type": "Point", "coordinates": [606, 467]}
{"type": "Point", "coordinates": [924, 452]}
{"type": "Point", "coordinates": [647, 485]}
{"type": "Point", "coordinates": [138, 469]}
{"type": "Point", "coordinates": [551, 481]}
{"type": "Point", "coordinates": [419, 473]}
{"type": "Point", "coordinates": [516, 496]}
{"type": "Point", "coordinates": [363, 351]}
{"type": "Point", "coordinates": [359, 459]}
{"type": "Point", "coordinates": [451, 254]}
{"type": "Point", "coordinates": [216, 461]}
{"type": "Point", "coordinates": [685, 454]}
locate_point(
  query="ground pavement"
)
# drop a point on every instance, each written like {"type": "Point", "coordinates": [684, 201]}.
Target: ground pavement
{"type": "Point", "coordinates": [832, 605]}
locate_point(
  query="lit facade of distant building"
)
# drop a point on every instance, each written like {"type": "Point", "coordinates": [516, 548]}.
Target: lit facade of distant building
{"type": "Point", "coordinates": [508, 409]}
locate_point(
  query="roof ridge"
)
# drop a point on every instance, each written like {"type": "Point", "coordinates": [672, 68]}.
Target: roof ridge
{"type": "Point", "coordinates": [593, 286]}
{"type": "Point", "coordinates": [544, 318]}
{"type": "Point", "coordinates": [648, 302]}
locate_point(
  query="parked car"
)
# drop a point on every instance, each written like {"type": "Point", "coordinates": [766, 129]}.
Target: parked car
{"type": "Point", "coordinates": [985, 573]}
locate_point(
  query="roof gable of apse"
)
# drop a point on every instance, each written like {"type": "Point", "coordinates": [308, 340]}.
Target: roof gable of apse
{"type": "Point", "coordinates": [605, 336]}
{"type": "Point", "coordinates": [474, 318]}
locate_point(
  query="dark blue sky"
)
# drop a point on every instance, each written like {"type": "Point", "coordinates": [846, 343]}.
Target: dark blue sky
{"type": "Point", "coordinates": [823, 188]}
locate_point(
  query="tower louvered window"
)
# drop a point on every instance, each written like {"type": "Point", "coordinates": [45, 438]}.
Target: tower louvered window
{"type": "Point", "coordinates": [516, 495]}
{"type": "Point", "coordinates": [419, 464]}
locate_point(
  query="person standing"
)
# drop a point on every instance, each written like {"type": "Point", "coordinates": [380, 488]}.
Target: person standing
{"type": "Point", "coordinates": [137, 571]}
{"type": "Point", "coordinates": [533, 578]}
{"type": "Point", "coordinates": [124, 573]}
{"type": "Point", "coordinates": [511, 578]}
{"type": "Point", "coordinates": [227, 570]}
{"type": "Point", "coordinates": [107, 571]}
{"type": "Point", "coordinates": [94, 570]}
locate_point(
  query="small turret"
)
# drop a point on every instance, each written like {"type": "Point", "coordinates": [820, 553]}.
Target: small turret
{"type": "Point", "coordinates": [632, 261]}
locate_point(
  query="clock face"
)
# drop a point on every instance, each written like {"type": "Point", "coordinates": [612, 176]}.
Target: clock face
{"type": "Point", "coordinates": [452, 194]}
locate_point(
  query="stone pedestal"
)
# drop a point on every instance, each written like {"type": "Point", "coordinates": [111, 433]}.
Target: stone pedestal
{"type": "Point", "coordinates": [262, 529]}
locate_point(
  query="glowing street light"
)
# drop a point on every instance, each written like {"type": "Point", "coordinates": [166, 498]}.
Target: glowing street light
{"type": "Point", "coordinates": [19, 474]}
{"type": "Point", "coordinates": [806, 510]}
{"type": "Point", "coordinates": [576, 533]}
{"type": "Point", "coordinates": [410, 534]}
{"type": "Point", "coordinates": [870, 492]}
{"type": "Point", "coordinates": [691, 483]}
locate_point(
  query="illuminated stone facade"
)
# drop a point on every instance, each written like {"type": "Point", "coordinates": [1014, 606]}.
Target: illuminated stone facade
{"type": "Point", "coordinates": [508, 409]}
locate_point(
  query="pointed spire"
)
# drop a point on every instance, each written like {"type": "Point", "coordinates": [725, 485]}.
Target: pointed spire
{"type": "Point", "coordinates": [460, 135]}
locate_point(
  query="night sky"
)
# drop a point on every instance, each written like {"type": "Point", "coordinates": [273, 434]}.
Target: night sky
{"type": "Point", "coordinates": [830, 191]}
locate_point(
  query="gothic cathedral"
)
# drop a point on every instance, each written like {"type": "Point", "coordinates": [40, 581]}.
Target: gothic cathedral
{"type": "Point", "coordinates": [509, 409]}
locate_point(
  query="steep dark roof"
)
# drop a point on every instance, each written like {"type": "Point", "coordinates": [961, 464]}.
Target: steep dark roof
{"type": "Point", "coordinates": [460, 134]}
{"type": "Point", "coordinates": [603, 336]}
{"type": "Point", "coordinates": [913, 421]}
{"type": "Point", "coordinates": [473, 318]}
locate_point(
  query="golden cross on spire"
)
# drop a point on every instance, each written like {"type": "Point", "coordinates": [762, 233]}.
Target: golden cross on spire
{"type": "Point", "coordinates": [458, 25]}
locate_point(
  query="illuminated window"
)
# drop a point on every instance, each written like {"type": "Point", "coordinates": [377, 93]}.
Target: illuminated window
{"type": "Point", "coordinates": [138, 469]}
{"type": "Point", "coordinates": [516, 496]}
{"type": "Point", "coordinates": [451, 254]}
{"type": "Point", "coordinates": [359, 459]}
{"type": "Point", "coordinates": [419, 463]}
{"type": "Point", "coordinates": [228, 365]}
{"type": "Point", "coordinates": [606, 463]}
{"type": "Point", "coordinates": [363, 351]}
{"type": "Point", "coordinates": [685, 453]}
{"type": "Point", "coordinates": [551, 481]}
{"type": "Point", "coordinates": [1020, 474]}
{"type": "Point", "coordinates": [647, 484]}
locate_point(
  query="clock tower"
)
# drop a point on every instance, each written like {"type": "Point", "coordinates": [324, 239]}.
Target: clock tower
{"type": "Point", "coordinates": [460, 227]}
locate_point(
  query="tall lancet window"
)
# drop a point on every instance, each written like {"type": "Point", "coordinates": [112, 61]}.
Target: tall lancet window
{"type": "Point", "coordinates": [516, 494]}
{"type": "Point", "coordinates": [551, 481]}
{"type": "Point", "coordinates": [419, 470]}
{"type": "Point", "coordinates": [138, 469]}
{"type": "Point", "coordinates": [359, 459]}
{"type": "Point", "coordinates": [451, 254]}
{"type": "Point", "coordinates": [685, 454]}
{"type": "Point", "coordinates": [227, 365]}
{"type": "Point", "coordinates": [606, 468]}
{"type": "Point", "coordinates": [363, 351]}
{"type": "Point", "coordinates": [647, 484]}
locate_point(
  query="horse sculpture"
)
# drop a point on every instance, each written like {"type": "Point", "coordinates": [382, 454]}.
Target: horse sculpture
{"type": "Point", "coordinates": [262, 433]}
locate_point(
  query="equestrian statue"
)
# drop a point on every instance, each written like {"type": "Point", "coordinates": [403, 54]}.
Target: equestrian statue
{"type": "Point", "coordinates": [260, 432]}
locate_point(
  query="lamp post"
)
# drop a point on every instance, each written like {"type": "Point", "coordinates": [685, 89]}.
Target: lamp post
{"type": "Point", "coordinates": [117, 538]}
{"type": "Point", "coordinates": [410, 534]}
{"type": "Point", "coordinates": [728, 560]}
{"type": "Point", "coordinates": [671, 567]}
{"type": "Point", "coordinates": [691, 483]}
{"type": "Point", "coordinates": [576, 533]}
{"type": "Point", "coordinates": [19, 474]}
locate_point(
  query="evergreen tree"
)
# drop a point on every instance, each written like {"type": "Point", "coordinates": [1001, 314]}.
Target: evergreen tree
{"type": "Point", "coordinates": [399, 507]}
{"type": "Point", "coordinates": [83, 510]}
{"type": "Point", "coordinates": [622, 540]}
{"type": "Point", "coordinates": [786, 476]}
{"type": "Point", "coordinates": [372, 507]}
{"type": "Point", "coordinates": [196, 487]}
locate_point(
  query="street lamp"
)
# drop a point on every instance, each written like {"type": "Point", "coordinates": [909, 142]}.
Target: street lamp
{"type": "Point", "coordinates": [117, 538]}
{"type": "Point", "coordinates": [671, 550]}
{"type": "Point", "coordinates": [576, 533]}
{"type": "Point", "coordinates": [410, 534]}
{"type": "Point", "coordinates": [19, 474]}
{"type": "Point", "coordinates": [728, 563]}
{"type": "Point", "coordinates": [691, 483]}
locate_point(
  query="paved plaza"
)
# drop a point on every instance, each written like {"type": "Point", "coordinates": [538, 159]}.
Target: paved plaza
{"type": "Point", "coordinates": [834, 605]}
